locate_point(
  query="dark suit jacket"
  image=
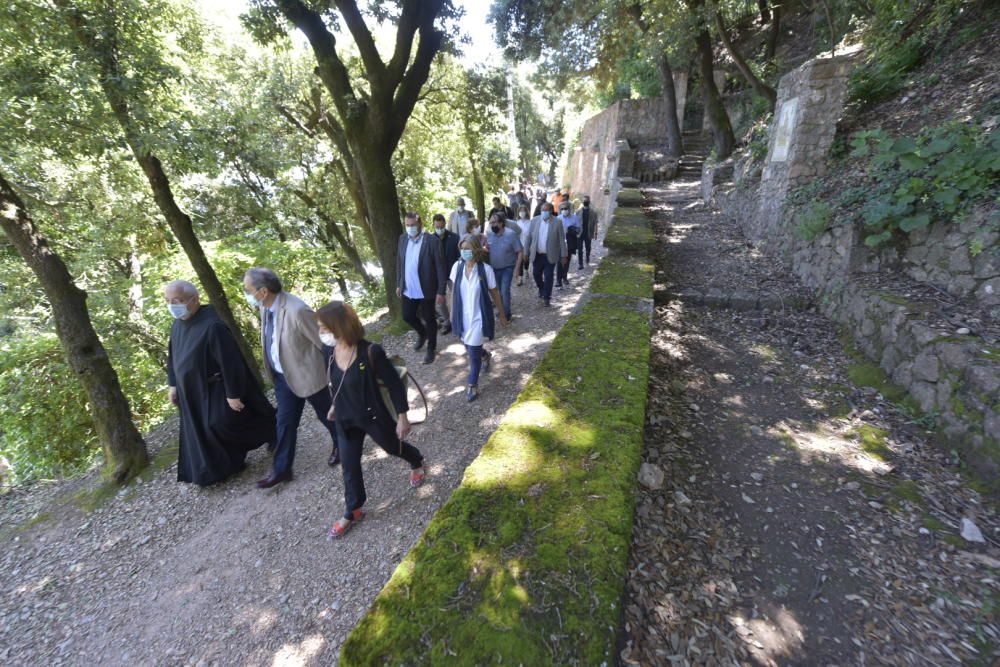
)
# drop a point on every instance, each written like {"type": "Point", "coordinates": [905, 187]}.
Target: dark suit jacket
{"type": "Point", "coordinates": [449, 249]}
{"type": "Point", "coordinates": [433, 278]}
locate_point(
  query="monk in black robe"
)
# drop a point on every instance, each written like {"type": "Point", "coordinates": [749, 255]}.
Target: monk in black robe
{"type": "Point", "coordinates": [224, 413]}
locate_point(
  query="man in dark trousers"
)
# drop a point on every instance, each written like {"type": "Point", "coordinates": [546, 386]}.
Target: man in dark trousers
{"type": "Point", "coordinates": [588, 230]}
{"type": "Point", "coordinates": [296, 363]}
{"type": "Point", "coordinates": [449, 254]}
{"type": "Point", "coordinates": [420, 282]}
{"type": "Point", "coordinates": [547, 248]}
{"type": "Point", "coordinates": [223, 410]}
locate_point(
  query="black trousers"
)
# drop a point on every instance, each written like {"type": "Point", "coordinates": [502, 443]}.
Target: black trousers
{"type": "Point", "coordinates": [352, 440]}
{"type": "Point", "coordinates": [584, 241]}
{"type": "Point", "coordinates": [422, 316]}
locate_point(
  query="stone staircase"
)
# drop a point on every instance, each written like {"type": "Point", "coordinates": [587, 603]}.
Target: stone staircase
{"type": "Point", "coordinates": [696, 148]}
{"type": "Point", "coordinates": [653, 163]}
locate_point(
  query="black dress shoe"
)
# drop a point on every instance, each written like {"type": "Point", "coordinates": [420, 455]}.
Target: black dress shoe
{"type": "Point", "coordinates": [274, 480]}
{"type": "Point", "coordinates": [420, 342]}
{"type": "Point", "coordinates": [334, 457]}
{"type": "Point", "coordinates": [429, 357]}
{"type": "Point", "coordinates": [446, 330]}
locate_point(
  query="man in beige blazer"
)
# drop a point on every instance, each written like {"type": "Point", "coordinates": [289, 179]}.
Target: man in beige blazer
{"type": "Point", "coordinates": [546, 247]}
{"type": "Point", "coordinates": [296, 363]}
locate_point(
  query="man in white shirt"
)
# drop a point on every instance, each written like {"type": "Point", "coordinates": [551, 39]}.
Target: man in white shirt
{"type": "Point", "coordinates": [546, 247]}
{"type": "Point", "coordinates": [295, 362]}
{"type": "Point", "coordinates": [420, 282]}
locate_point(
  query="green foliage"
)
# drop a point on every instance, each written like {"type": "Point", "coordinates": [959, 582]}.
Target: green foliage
{"type": "Point", "coordinates": [899, 36]}
{"type": "Point", "coordinates": [45, 426]}
{"type": "Point", "coordinates": [935, 176]}
{"type": "Point", "coordinates": [813, 221]}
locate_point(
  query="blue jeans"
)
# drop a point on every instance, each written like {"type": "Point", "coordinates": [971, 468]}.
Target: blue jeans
{"type": "Point", "coordinates": [290, 409]}
{"type": "Point", "coordinates": [504, 278]}
{"type": "Point", "coordinates": [475, 363]}
{"type": "Point", "coordinates": [542, 270]}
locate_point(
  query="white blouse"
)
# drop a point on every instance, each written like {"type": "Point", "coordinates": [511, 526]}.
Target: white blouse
{"type": "Point", "coordinates": [472, 311]}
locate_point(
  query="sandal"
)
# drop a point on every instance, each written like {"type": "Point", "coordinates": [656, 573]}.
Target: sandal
{"type": "Point", "coordinates": [343, 525]}
{"type": "Point", "coordinates": [417, 476]}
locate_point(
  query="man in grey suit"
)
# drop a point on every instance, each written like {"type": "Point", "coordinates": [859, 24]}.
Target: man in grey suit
{"type": "Point", "coordinates": [421, 280]}
{"type": "Point", "coordinates": [295, 362]}
{"type": "Point", "coordinates": [546, 247]}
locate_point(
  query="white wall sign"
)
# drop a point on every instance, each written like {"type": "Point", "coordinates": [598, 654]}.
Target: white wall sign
{"type": "Point", "coordinates": [783, 130]}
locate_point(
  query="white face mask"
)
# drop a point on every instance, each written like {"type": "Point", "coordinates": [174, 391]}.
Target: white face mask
{"type": "Point", "coordinates": [328, 339]}
{"type": "Point", "coordinates": [252, 300]}
{"type": "Point", "coordinates": [178, 310]}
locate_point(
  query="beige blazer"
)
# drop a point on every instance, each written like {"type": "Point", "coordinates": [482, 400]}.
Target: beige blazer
{"type": "Point", "coordinates": [300, 350]}
{"type": "Point", "coordinates": [554, 247]}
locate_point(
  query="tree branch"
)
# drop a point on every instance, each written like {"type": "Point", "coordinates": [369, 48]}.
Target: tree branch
{"type": "Point", "coordinates": [374, 67]}
{"type": "Point", "coordinates": [330, 68]}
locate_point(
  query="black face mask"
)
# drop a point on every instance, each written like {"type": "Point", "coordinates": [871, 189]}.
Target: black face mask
{"type": "Point", "coordinates": [496, 229]}
{"type": "Point", "coordinates": [586, 204]}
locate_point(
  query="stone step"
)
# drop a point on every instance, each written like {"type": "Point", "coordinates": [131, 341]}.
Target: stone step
{"type": "Point", "coordinates": [742, 300]}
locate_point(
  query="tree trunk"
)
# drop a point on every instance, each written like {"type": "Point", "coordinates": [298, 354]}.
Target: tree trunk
{"type": "Point", "coordinates": [346, 246]}
{"type": "Point", "coordinates": [718, 118]}
{"type": "Point", "coordinates": [478, 191]}
{"type": "Point", "coordinates": [774, 33]}
{"type": "Point", "coordinates": [183, 229]}
{"type": "Point", "coordinates": [675, 144]}
{"type": "Point", "coordinates": [376, 175]}
{"type": "Point", "coordinates": [765, 11]}
{"type": "Point", "coordinates": [344, 292]}
{"type": "Point", "coordinates": [104, 51]}
{"type": "Point", "coordinates": [762, 89]}
{"type": "Point", "coordinates": [124, 448]}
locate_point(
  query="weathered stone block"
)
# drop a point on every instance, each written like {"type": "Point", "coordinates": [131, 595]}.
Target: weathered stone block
{"type": "Point", "coordinates": [924, 393]}
{"type": "Point", "coordinates": [984, 379]}
{"type": "Point", "coordinates": [988, 292]}
{"type": "Point", "coordinates": [959, 261]}
{"type": "Point", "coordinates": [986, 264]}
{"type": "Point", "coordinates": [926, 367]}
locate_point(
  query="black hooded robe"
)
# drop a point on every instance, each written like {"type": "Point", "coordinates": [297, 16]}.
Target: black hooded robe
{"type": "Point", "coordinates": [206, 366]}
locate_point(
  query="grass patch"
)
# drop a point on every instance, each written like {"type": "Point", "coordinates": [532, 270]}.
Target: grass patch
{"type": "Point", "coordinates": [909, 491]}
{"type": "Point", "coordinates": [396, 327]}
{"type": "Point", "coordinates": [627, 276]}
{"type": "Point", "coordinates": [90, 499]}
{"type": "Point", "coordinates": [873, 441]}
{"type": "Point", "coordinates": [868, 374]}
{"type": "Point", "coordinates": [163, 459]}
{"type": "Point", "coordinates": [629, 197]}
{"type": "Point", "coordinates": [542, 519]}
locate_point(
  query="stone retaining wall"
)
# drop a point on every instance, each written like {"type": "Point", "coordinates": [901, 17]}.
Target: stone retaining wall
{"type": "Point", "coordinates": [953, 377]}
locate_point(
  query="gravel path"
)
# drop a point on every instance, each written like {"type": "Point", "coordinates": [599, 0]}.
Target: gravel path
{"type": "Point", "coordinates": [171, 574]}
{"type": "Point", "coordinates": [777, 537]}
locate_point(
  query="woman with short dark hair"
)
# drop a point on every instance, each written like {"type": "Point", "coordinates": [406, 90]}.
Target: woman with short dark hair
{"type": "Point", "coordinates": [355, 369]}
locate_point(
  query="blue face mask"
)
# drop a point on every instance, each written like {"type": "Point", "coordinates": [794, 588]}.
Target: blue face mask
{"type": "Point", "coordinates": [466, 254]}
{"type": "Point", "coordinates": [412, 230]}
{"type": "Point", "coordinates": [546, 215]}
{"type": "Point", "coordinates": [178, 310]}
{"type": "Point", "coordinates": [440, 231]}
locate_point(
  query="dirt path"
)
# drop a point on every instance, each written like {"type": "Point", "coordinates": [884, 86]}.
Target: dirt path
{"type": "Point", "coordinates": [803, 520]}
{"type": "Point", "coordinates": [171, 574]}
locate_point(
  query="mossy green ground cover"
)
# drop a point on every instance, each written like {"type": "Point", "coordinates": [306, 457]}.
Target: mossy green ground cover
{"type": "Point", "coordinates": [525, 563]}
{"type": "Point", "coordinates": [627, 276]}
{"type": "Point", "coordinates": [629, 197]}
{"type": "Point", "coordinates": [630, 234]}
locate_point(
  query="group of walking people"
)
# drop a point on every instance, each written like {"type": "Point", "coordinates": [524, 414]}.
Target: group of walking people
{"type": "Point", "coordinates": [322, 358]}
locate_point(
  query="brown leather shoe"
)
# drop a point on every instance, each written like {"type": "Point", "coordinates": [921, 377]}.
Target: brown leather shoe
{"type": "Point", "coordinates": [274, 480]}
